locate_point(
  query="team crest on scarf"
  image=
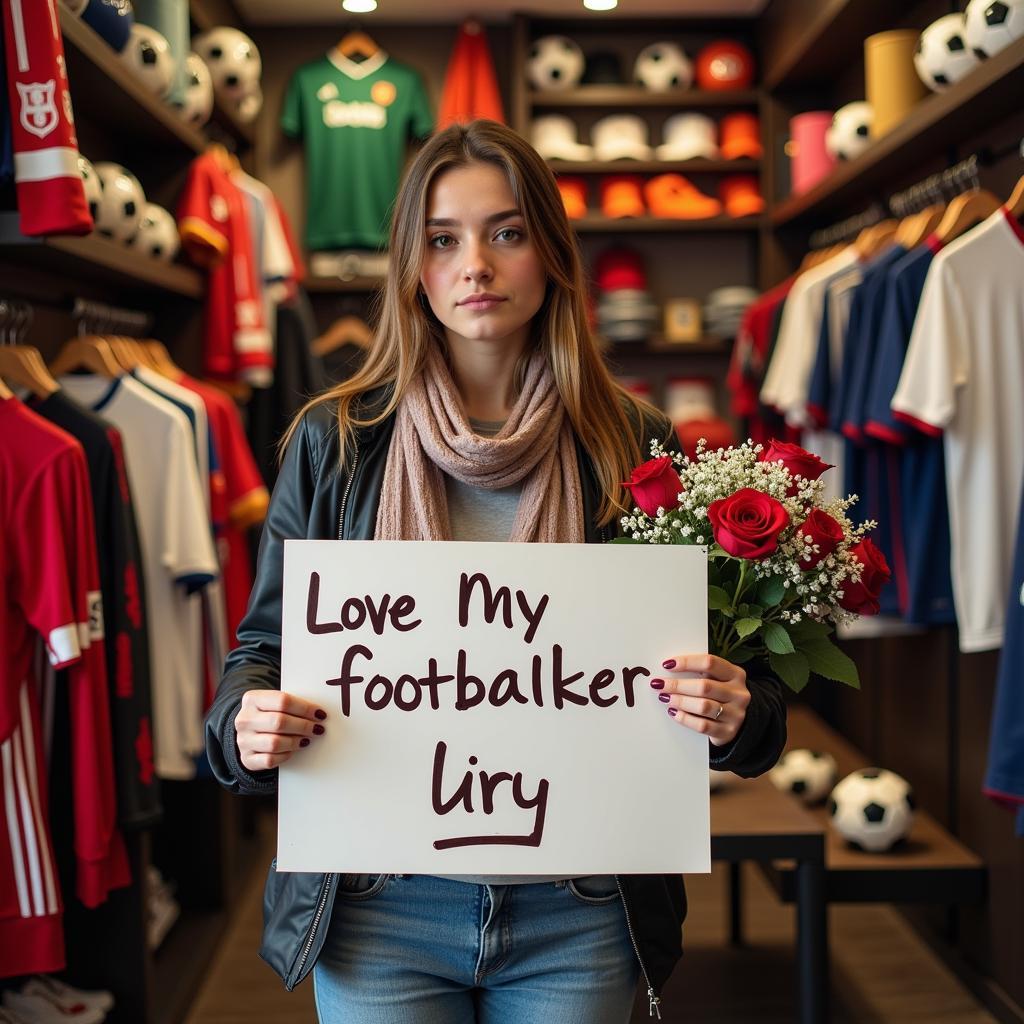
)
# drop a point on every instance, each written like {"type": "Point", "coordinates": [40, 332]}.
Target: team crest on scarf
{"type": "Point", "coordinates": [38, 111]}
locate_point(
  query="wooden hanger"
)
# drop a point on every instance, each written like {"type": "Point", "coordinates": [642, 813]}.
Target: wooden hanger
{"type": "Point", "coordinates": [24, 366]}
{"type": "Point", "coordinates": [913, 230]}
{"type": "Point", "coordinates": [872, 240]}
{"type": "Point", "coordinates": [356, 43]}
{"type": "Point", "coordinates": [160, 359]}
{"type": "Point", "coordinates": [226, 160]}
{"type": "Point", "coordinates": [90, 352]}
{"type": "Point", "coordinates": [1015, 204]}
{"type": "Point", "coordinates": [348, 330]}
{"type": "Point", "coordinates": [5, 391]}
{"type": "Point", "coordinates": [964, 211]}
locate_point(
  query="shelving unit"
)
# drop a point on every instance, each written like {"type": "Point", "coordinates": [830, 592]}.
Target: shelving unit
{"type": "Point", "coordinates": [342, 286]}
{"type": "Point", "coordinates": [594, 222]}
{"type": "Point", "coordinates": [631, 96]}
{"type": "Point", "coordinates": [696, 166]}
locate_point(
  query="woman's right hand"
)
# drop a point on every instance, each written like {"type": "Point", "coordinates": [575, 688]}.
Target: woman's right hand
{"type": "Point", "coordinates": [272, 725]}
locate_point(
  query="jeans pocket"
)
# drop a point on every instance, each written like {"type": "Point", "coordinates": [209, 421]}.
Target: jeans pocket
{"type": "Point", "coordinates": [361, 887]}
{"type": "Point", "coordinates": [594, 890]}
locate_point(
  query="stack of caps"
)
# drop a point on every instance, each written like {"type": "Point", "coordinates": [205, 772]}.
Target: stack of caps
{"type": "Point", "coordinates": [724, 310]}
{"type": "Point", "coordinates": [625, 311]}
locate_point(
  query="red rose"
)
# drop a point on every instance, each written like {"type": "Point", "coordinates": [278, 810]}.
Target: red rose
{"type": "Point", "coordinates": [862, 597]}
{"type": "Point", "coordinates": [823, 531]}
{"type": "Point", "coordinates": [747, 524]}
{"type": "Point", "coordinates": [798, 461]}
{"type": "Point", "coordinates": [655, 485]}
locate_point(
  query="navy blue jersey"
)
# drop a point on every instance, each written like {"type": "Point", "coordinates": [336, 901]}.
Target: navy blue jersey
{"type": "Point", "coordinates": [1004, 778]}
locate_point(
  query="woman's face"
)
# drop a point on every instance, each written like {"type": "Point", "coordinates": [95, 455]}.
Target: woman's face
{"type": "Point", "coordinates": [481, 273]}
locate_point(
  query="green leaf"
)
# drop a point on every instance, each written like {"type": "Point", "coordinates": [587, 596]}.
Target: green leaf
{"type": "Point", "coordinates": [792, 669]}
{"type": "Point", "coordinates": [743, 610]}
{"type": "Point", "coordinates": [771, 591]}
{"type": "Point", "coordinates": [741, 655]}
{"type": "Point", "coordinates": [776, 639]}
{"type": "Point", "coordinates": [626, 540]}
{"type": "Point", "coordinates": [717, 598]}
{"type": "Point", "coordinates": [744, 627]}
{"type": "Point", "coordinates": [825, 659]}
{"type": "Point", "coordinates": [808, 630]}
{"type": "Point", "coordinates": [755, 611]}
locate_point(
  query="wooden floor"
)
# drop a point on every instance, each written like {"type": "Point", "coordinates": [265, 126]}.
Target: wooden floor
{"type": "Point", "coordinates": [881, 972]}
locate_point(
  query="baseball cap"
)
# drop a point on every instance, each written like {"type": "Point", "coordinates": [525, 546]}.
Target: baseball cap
{"type": "Point", "coordinates": [620, 267]}
{"type": "Point", "coordinates": [619, 136]}
{"type": "Point", "coordinates": [574, 196]}
{"type": "Point", "coordinates": [554, 137]}
{"type": "Point", "coordinates": [741, 136]}
{"type": "Point", "coordinates": [687, 136]}
{"type": "Point", "coordinates": [741, 195]}
{"type": "Point", "coordinates": [622, 196]}
{"type": "Point", "coordinates": [672, 195]}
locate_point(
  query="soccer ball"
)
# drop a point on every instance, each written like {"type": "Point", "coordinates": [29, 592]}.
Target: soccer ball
{"type": "Point", "coordinates": [850, 132]}
{"type": "Point", "coordinates": [555, 62]}
{"type": "Point", "coordinates": [808, 774]}
{"type": "Point", "coordinates": [991, 25]}
{"type": "Point", "coordinates": [233, 60]}
{"type": "Point", "coordinates": [247, 107]}
{"type": "Point", "coordinates": [158, 234]}
{"type": "Point", "coordinates": [149, 56]}
{"type": "Point", "coordinates": [872, 808]}
{"type": "Point", "coordinates": [196, 104]}
{"type": "Point", "coordinates": [92, 184]}
{"type": "Point", "coordinates": [122, 202]}
{"type": "Point", "coordinates": [663, 66]}
{"type": "Point", "coordinates": [942, 56]}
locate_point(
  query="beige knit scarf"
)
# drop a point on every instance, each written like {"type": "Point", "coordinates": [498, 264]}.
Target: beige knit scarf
{"type": "Point", "coordinates": [432, 436]}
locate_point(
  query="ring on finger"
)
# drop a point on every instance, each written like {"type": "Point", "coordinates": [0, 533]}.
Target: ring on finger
{"type": "Point", "coordinates": [718, 713]}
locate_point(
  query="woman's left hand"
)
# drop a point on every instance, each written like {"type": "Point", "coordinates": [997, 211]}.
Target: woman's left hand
{"type": "Point", "coordinates": [714, 703]}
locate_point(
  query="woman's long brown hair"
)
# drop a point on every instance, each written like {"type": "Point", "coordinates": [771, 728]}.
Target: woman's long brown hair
{"type": "Point", "coordinates": [595, 403]}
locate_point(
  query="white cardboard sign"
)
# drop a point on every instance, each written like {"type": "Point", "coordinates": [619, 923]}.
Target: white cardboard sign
{"type": "Point", "coordinates": [489, 710]}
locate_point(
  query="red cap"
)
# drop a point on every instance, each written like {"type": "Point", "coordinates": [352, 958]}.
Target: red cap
{"type": "Point", "coordinates": [620, 268]}
{"type": "Point", "coordinates": [725, 64]}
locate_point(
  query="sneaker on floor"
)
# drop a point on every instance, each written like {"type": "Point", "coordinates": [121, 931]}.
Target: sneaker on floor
{"type": "Point", "coordinates": [67, 995]}
{"type": "Point", "coordinates": [40, 1009]}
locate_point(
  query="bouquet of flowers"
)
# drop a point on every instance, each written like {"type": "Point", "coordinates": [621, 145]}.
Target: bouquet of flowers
{"type": "Point", "coordinates": [785, 564]}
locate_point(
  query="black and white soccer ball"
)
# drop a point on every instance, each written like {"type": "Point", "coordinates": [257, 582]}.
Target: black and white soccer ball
{"type": "Point", "coordinates": [807, 774]}
{"type": "Point", "coordinates": [247, 107]}
{"type": "Point", "coordinates": [663, 66]}
{"type": "Point", "coordinates": [149, 56]}
{"type": "Point", "coordinates": [555, 62]}
{"type": "Point", "coordinates": [942, 55]}
{"type": "Point", "coordinates": [196, 103]}
{"type": "Point", "coordinates": [92, 185]}
{"type": "Point", "coordinates": [991, 25]}
{"type": "Point", "coordinates": [121, 204]}
{"type": "Point", "coordinates": [850, 132]}
{"type": "Point", "coordinates": [233, 60]}
{"type": "Point", "coordinates": [158, 234]}
{"type": "Point", "coordinates": [872, 808]}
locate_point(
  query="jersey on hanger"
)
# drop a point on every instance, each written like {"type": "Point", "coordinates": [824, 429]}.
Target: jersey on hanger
{"type": "Point", "coordinates": [355, 120]}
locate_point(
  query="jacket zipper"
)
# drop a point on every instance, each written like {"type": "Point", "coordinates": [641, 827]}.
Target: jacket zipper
{"type": "Point", "coordinates": [348, 487]}
{"type": "Point", "coordinates": [324, 893]}
{"type": "Point", "coordinates": [655, 1001]}
{"type": "Point", "coordinates": [328, 879]}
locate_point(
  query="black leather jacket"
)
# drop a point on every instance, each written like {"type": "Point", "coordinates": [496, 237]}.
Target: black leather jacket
{"type": "Point", "coordinates": [317, 498]}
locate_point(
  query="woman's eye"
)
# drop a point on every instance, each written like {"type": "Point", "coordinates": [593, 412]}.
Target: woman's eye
{"type": "Point", "coordinates": [510, 234]}
{"type": "Point", "coordinates": [441, 241]}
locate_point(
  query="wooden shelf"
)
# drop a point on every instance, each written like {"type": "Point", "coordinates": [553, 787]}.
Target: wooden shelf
{"type": "Point", "coordinates": [98, 259]}
{"type": "Point", "coordinates": [659, 348]}
{"type": "Point", "coordinates": [337, 284]}
{"type": "Point", "coordinates": [696, 166]}
{"type": "Point", "coordinates": [101, 85]}
{"type": "Point", "coordinates": [636, 96]}
{"type": "Point", "coordinates": [595, 222]}
{"type": "Point", "coordinates": [940, 121]}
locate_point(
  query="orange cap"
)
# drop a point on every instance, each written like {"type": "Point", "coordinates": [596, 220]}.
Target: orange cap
{"type": "Point", "coordinates": [740, 136]}
{"type": "Point", "coordinates": [741, 195]}
{"type": "Point", "coordinates": [621, 196]}
{"type": "Point", "coordinates": [671, 195]}
{"type": "Point", "coordinates": [574, 196]}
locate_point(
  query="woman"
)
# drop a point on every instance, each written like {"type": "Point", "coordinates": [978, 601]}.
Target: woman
{"type": "Point", "coordinates": [484, 411]}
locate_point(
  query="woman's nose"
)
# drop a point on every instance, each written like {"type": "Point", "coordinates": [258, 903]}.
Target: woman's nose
{"type": "Point", "coordinates": [477, 266]}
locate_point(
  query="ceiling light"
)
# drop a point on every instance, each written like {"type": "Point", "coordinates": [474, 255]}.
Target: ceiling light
{"type": "Point", "coordinates": [359, 6]}
{"type": "Point", "coordinates": [600, 5]}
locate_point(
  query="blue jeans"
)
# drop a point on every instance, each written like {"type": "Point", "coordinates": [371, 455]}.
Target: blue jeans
{"type": "Point", "coordinates": [414, 949]}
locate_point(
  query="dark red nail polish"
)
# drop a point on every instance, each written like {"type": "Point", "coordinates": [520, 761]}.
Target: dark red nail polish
{"type": "Point", "coordinates": [657, 684]}
{"type": "Point", "coordinates": [304, 742]}
{"type": "Point", "coordinates": [671, 663]}
{"type": "Point", "coordinates": [321, 714]}
{"type": "Point", "coordinates": [664, 698]}
{"type": "Point", "coordinates": [318, 730]}
{"type": "Point", "coordinates": [672, 712]}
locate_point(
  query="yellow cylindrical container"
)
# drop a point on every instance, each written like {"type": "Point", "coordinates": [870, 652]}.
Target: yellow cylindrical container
{"type": "Point", "coordinates": [892, 84]}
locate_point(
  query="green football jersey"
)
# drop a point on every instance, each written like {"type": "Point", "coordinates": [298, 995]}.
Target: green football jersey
{"type": "Point", "coordinates": [355, 120]}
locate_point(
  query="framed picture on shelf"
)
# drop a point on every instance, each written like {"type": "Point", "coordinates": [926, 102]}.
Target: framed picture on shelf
{"type": "Point", "coordinates": [682, 321]}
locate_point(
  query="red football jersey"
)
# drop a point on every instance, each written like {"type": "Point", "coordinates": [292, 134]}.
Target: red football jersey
{"type": "Point", "coordinates": [51, 197]}
{"type": "Point", "coordinates": [213, 220]}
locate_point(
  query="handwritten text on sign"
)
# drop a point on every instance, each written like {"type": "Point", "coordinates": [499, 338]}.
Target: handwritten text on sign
{"type": "Point", "coordinates": [489, 710]}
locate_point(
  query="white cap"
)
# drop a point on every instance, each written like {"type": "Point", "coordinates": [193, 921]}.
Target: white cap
{"type": "Point", "coordinates": [554, 137]}
{"type": "Point", "coordinates": [686, 136]}
{"type": "Point", "coordinates": [689, 398]}
{"type": "Point", "coordinates": [620, 135]}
